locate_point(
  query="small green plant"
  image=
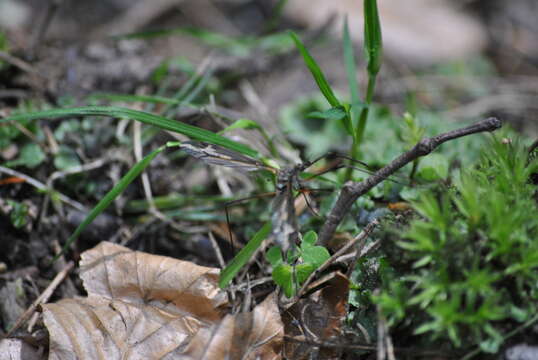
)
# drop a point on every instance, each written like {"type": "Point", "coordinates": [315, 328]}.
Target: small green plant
{"type": "Point", "coordinates": [18, 214]}
{"type": "Point", "coordinates": [353, 115]}
{"type": "Point", "coordinates": [30, 156]}
{"type": "Point", "coordinates": [309, 257]}
{"type": "Point", "coordinates": [470, 262]}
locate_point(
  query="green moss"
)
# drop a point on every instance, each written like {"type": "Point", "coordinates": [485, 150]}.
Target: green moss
{"type": "Point", "coordinates": [472, 256]}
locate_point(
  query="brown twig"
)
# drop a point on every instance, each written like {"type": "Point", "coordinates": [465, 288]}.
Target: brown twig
{"type": "Point", "coordinates": [21, 64]}
{"type": "Point", "coordinates": [39, 185]}
{"type": "Point", "coordinates": [359, 253]}
{"type": "Point", "coordinates": [216, 248]}
{"type": "Point", "coordinates": [44, 24]}
{"type": "Point", "coordinates": [430, 354]}
{"type": "Point", "coordinates": [351, 191]}
{"type": "Point", "coordinates": [44, 297]}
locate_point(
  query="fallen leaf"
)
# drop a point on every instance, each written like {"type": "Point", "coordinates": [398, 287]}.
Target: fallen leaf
{"type": "Point", "coordinates": [18, 349]}
{"type": "Point", "coordinates": [143, 306]}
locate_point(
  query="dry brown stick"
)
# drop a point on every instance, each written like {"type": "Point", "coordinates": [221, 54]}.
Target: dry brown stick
{"type": "Point", "coordinates": [44, 297]}
{"type": "Point", "coordinates": [216, 248]}
{"type": "Point", "coordinates": [351, 191]}
{"type": "Point", "coordinates": [21, 64]}
{"type": "Point", "coordinates": [39, 185]}
{"type": "Point", "coordinates": [302, 339]}
{"type": "Point", "coordinates": [429, 354]}
{"type": "Point", "coordinates": [44, 23]}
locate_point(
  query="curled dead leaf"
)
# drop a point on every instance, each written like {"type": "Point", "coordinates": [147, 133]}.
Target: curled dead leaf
{"type": "Point", "coordinates": [143, 306]}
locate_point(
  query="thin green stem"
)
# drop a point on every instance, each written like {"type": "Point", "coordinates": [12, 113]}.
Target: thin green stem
{"type": "Point", "coordinates": [364, 113]}
{"type": "Point", "coordinates": [359, 134]}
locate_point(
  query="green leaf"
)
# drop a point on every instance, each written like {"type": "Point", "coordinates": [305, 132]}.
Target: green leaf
{"type": "Point", "coordinates": [283, 276]}
{"type": "Point", "coordinates": [433, 167]}
{"type": "Point", "coordinates": [228, 273]}
{"type": "Point", "coordinates": [373, 41]}
{"type": "Point", "coordinates": [323, 85]}
{"type": "Point", "coordinates": [425, 260]}
{"type": "Point", "coordinates": [315, 255]}
{"type": "Point", "coordinates": [66, 127]}
{"type": "Point", "coordinates": [31, 156]}
{"type": "Point", "coordinates": [274, 256]}
{"type": "Point", "coordinates": [495, 341]}
{"type": "Point", "coordinates": [66, 158]}
{"type": "Point", "coordinates": [335, 113]}
{"type": "Point", "coordinates": [518, 314]}
{"type": "Point", "coordinates": [110, 196]}
{"type": "Point", "coordinates": [303, 271]}
{"type": "Point", "coordinates": [144, 117]}
{"type": "Point", "coordinates": [246, 124]}
{"type": "Point", "coordinates": [18, 214]}
{"type": "Point", "coordinates": [310, 238]}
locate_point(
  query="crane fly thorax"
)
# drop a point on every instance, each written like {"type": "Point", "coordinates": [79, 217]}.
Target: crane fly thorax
{"type": "Point", "coordinates": [287, 178]}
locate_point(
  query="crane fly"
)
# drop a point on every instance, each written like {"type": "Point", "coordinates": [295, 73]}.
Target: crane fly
{"type": "Point", "coordinates": [284, 222]}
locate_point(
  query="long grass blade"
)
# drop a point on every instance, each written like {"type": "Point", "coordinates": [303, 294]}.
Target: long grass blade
{"type": "Point", "coordinates": [323, 84]}
{"type": "Point", "coordinates": [373, 41]}
{"type": "Point", "coordinates": [351, 72]}
{"type": "Point", "coordinates": [151, 99]}
{"type": "Point", "coordinates": [110, 196]}
{"type": "Point", "coordinates": [144, 117]}
{"type": "Point", "coordinates": [241, 259]}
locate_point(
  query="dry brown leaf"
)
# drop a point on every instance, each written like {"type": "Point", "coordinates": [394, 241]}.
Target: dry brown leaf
{"type": "Point", "coordinates": [415, 32]}
{"type": "Point", "coordinates": [253, 335]}
{"type": "Point", "coordinates": [18, 349]}
{"type": "Point", "coordinates": [142, 306]}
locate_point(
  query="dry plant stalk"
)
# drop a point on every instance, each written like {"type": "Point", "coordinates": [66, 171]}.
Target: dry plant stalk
{"type": "Point", "coordinates": [351, 191]}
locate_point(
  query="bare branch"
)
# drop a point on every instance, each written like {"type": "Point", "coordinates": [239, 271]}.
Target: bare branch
{"type": "Point", "coordinates": [351, 191]}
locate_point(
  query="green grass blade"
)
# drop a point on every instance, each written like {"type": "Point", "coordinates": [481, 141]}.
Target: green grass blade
{"type": "Point", "coordinates": [150, 34]}
{"type": "Point", "coordinates": [240, 260]}
{"type": "Point", "coordinates": [351, 72]}
{"type": "Point", "coordinates": [151, 99]}
{"type": "Point", "coordinates": [110, 196]}
{"type": "Point", "coordinates": [144, 117]}
{"type": "Point", "coordinates": [200, 85]}
{"type": "Point", "coordinates": [373, 41]}
{"type": "Point", "coordinates": [323, 85]}
{"type": "Point", "coordinates": [351, 69]}
{"type": "Point", "coordinates": [188, 86]}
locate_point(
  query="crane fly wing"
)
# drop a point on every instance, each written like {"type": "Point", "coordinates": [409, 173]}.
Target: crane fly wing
{"type": "Point", "coordinates": [284, 221]}
{"type": "Point", "coordinates": [218, 155]}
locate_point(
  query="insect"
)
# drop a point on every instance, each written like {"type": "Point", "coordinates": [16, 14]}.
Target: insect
{"type": "Point", "coordinates": [284, 221]}
{"type": "Point", "coordinates": [285, 228]}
